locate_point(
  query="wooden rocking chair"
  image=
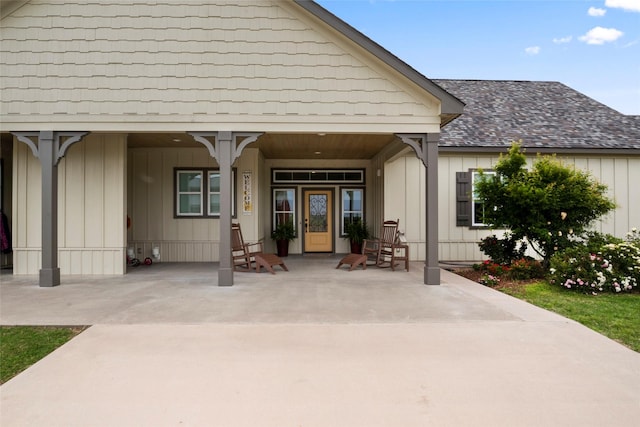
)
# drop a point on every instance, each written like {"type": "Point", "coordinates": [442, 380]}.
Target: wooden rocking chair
{"type": "Point", "coordinates": [380, 250]}
{"type": "Point", "coordinates": [244, 256]}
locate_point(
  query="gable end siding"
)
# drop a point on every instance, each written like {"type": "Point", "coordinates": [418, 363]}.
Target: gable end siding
{"type": "Point", "coordinates": [191, 62]}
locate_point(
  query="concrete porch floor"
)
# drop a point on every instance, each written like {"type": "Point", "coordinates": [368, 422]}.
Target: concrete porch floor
{"type": "Point", "coordinates": [314, 346]}
{"type": "Point", "coordinates": [312, 291]}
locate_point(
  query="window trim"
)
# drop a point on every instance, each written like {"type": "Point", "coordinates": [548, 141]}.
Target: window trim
{"type": "Point", "coordinates": [293, 209]}
{"type": "Point", "coordinates": [205, 193]}
{"type": "Point", "coordinates": [342, 211]}
{"type": "Point", "coordinates": [319, 171]}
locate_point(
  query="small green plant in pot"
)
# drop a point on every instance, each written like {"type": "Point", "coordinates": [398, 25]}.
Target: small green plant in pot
{"type": "Point", "coordinates": [283, 234]}
{"type": "Point", "coordinates": [356, 231]}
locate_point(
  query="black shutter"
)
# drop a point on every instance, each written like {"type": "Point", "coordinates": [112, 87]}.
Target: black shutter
{"type": "Point", "coordinates": [463, 199]}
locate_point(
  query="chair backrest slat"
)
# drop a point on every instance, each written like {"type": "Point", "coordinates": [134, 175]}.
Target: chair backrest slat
{"type": "Point", "coordinates": [237, 242]}
{"type": "Point", "coordinates": [389, 232]}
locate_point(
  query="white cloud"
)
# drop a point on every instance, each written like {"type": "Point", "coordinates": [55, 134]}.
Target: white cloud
{"type": "Point", "coordinates": [533, 50]}
{"type": "Point", "coordinates": [594, 11]}
{"type": "Point", "coordinates": [630, 5]}
{"type": "Point", "coordinates": [563, 40]}
{"type": "Point", "coordinates": [599, 35]}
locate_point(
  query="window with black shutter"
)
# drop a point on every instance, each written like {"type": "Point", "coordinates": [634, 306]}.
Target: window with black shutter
{"type": "Point", "coordinates": [463, 199]}
{"type": "Point", "coordinates": [470, 209]}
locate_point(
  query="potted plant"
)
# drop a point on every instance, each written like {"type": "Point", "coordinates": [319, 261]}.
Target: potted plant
{"type": "Point", "coordinates": [282, 234]}
{"type": "Point", "coordinates": [357, 231]}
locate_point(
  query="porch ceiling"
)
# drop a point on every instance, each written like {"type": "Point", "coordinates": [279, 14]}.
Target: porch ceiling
{"type": "Point", "coordinates": [285, 146]}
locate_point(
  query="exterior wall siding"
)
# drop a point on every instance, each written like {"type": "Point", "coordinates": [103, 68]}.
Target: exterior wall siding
{"type": "Point", "coordinates": [403, 190]}
{"type": "Point", "coordinates": [141, 65]}
{"type": "Point", "coordinates": [91, 201]}
{"type": "Point", "coordinates": [151, 205]}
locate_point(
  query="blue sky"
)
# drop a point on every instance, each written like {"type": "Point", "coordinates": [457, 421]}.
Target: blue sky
{"type": "Point", "coordinates": [591, 46]}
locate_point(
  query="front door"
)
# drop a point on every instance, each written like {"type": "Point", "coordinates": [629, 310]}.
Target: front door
{"type": "Point", "coordinates": [318, 220]}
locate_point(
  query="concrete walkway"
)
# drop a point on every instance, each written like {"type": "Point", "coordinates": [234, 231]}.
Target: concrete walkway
{"type": "Point", "coordinates": [311, 347]}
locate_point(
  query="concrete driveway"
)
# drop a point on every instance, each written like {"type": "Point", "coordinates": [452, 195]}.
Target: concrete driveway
{"type": "Point", "coordinates": [313, 346]}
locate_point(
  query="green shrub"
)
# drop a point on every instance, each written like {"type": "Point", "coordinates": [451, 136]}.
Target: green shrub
{"type": "Point", "coordinates": [543, 205]}
{"type": "Point", "coordinates": [613, 267]}
{"type": "Point", "coordinates": [502, 251]}
{"type": "Point", "coordinates": [594, 241]}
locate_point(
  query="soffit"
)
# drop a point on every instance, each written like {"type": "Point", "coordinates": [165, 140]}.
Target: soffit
{"type": "Point", "coordinates": [284, 146]}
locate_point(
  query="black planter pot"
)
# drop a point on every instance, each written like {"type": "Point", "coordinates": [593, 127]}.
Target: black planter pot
{"type": "Point", "coordinates": [356, 248]}
{"type": "Point", "coordinates": [283, 247]}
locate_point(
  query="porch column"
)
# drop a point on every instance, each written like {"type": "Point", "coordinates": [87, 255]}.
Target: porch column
{"type": "Point", "coordinates": [50, 272]}
{"type": "Point", "coordinates": [225, 271]}
{"type": "Point", "coordinates": [431, 264]}
{"type": "Point", "coordinates": [49, 149]}
{"type": "Point", "coordinates": [426, 148]}
{"type": "Point", "coordinates": [225, 150]}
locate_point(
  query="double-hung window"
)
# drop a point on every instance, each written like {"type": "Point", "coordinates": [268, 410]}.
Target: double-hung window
{"type": "Point", "coordinates": [198, 193]}
{"type": "Point", "coordinates": [470, 209]}
{"type": "Point", "coordinates": [478, 206]}
{"type": "Point", "coordinates": [284, 211]}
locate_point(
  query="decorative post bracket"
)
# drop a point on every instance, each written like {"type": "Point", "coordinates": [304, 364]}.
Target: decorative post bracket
{"type": "Point", "coordinates": [62, 142]}
{"type": "Point", "coordinates": [236, 149]}
{"type": "Point", "coordinates": [418, 141]}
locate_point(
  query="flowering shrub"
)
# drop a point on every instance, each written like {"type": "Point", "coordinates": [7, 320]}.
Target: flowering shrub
{"type": "Point", "coordinates": [615, 267]}
{"type": "Point", "coordinates": [492, 268]}
{"type": "Point", "coordinates": [489, 280]}
{"type": "Point", "coordinates": [525, 268]}
{"type": "Point", "coordinates": [633, 237]}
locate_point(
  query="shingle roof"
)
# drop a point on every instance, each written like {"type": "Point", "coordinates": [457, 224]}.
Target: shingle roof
{"type": "Point", "coordinates": [544, 115]}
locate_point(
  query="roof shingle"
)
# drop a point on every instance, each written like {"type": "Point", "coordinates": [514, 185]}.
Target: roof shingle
{"type": "Point", "coordinates": [544, 115]}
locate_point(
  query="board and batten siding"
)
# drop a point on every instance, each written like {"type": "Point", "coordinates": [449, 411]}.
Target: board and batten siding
{"type": "Point", "coordinates": [147, 66]}
{"type": "Point", "coordinates": [405, 199]}
{"type": "Point", "coordinates": [151, 204]}
{"type": "Point", "coordinates": [91, 206]}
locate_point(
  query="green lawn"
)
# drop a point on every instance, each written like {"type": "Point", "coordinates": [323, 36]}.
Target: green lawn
{"type": "Point", "coordinates": [616, 316]}
{"type": "Point", "coordinates": [22, 346]}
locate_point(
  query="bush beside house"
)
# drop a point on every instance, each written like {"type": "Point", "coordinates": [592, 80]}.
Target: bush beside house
{"type": "Point", "coordinates": [549, 209]}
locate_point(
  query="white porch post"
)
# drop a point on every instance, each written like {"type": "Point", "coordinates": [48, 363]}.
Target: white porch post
{"type": "Point", "coordinates": [426, 149]}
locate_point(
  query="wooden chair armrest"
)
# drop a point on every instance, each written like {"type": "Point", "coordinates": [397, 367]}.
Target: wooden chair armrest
{"type": "Point", "coordinates": [248, 245]}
